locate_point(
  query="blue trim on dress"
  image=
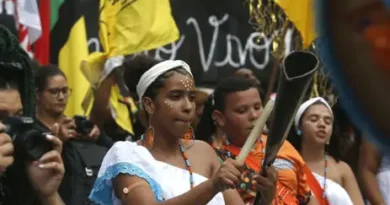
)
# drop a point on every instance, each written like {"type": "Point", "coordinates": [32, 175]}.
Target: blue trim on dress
{"type": "Point", "coordinates": [102, 192]}
{"type": "Point", "coordinates": [348, 98]}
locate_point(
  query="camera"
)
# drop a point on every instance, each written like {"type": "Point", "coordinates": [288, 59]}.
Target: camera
{"type": "Point", "coordinates": [83, 125]}
{"type": "Point", "coordinates": [30, 144]}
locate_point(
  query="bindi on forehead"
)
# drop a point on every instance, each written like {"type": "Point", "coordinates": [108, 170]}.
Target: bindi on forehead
{"type": "Point", "coordinates": [188, 83]}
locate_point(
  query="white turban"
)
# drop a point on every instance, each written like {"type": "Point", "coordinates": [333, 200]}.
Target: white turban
{"type": "Point", "coordinates": [306, 105]}
{"type": "Point", "coordinates": [154, 72]}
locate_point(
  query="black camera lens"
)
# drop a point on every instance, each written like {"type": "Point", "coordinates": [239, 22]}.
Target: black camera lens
{"type": "Point", "coordinates": [33, 144]}
{"type": "Point", "coordinates": [16, 125]}
{"type": "Point", "coordinates": [83, 125]}
{"type": "Point", "coordinates": [30, 144]}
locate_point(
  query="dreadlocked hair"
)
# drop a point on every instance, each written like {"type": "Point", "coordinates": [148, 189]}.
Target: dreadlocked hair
{"type": "Point", "coordinates": [15, 65]}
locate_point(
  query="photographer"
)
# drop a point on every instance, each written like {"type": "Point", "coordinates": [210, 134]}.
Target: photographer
{"type": "Point", "coordinates": [84, 145]}
{"type": "Point", "coordinates": [44, 175]}
{"type": "Point", "coordinates": [52, 94]}
{"type": "Point", "coordinates": [23, 182]}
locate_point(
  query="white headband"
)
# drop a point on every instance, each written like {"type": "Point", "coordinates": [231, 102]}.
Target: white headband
{"type": "Point", "coordinates": [306, 105]}
{"type": "Point", "coordinates": [154, 72]}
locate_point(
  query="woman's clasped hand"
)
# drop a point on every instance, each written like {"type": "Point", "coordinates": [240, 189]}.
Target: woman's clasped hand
{"type": "Point", "coordinates": [230, 175]}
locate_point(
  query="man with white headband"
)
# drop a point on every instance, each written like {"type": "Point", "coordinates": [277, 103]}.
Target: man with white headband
{"type": "Point", "coordinates": [167, 164]}
{"type": "Point", "coordinates": [331, 180]}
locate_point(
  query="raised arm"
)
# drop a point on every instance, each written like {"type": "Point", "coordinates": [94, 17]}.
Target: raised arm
{"type": "Point", "coordinates": [369, 162]}
{"type": "Point", "coordinates": [100, 109]}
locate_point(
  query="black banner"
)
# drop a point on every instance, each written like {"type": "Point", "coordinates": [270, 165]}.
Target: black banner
{"type": "Point", "coordinates": [216, 38]}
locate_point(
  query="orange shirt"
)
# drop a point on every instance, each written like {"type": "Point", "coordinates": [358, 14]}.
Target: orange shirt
{"type": "Point", "coordinates": [290, 172]}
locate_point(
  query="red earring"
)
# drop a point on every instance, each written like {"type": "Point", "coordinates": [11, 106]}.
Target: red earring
{"type": "Point", "coordinates": [150, 137]}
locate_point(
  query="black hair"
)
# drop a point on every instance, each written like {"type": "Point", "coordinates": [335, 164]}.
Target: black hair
{"type": "Point", "coordinates": [15, 66]}
{"type": "Point", "coordinates": [217, 101]}
{"type": "Point", "coordinates": [333, 148]}
{"type": "Point", "coordinates": [8, 84]}
{"type": "Point", "coordinates": [136, 66]}
{"type": "Point", "coordinates": [43, 74]}
{"type": "Point", "coordinates": [17, 73]}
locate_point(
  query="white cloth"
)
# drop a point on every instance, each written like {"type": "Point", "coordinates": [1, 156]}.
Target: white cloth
{"type": "Point", "coordinates": [383, 178]}
{"type": "Point", "coordinates": [306, 105]}
{"type": "Point", "coordinates": [166, 181]}
{"type": "Point", "coordinates": [154, 72]}
{"type": "Point", "coordinates": [335, 193]}
{"type": "Point", "coordinates": [110, 65]}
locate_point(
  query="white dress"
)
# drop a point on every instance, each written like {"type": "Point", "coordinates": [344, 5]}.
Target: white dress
{"type": "Point", "coordinates": [166, 181]}
{"type": "Point", "coordinates": [383, 178]}
{"type": "Point", "coordinates": [335, 193]}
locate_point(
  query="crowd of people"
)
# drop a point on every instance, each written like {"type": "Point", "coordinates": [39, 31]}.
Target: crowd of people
{"type": "Point", "coordinates": [183, 148]}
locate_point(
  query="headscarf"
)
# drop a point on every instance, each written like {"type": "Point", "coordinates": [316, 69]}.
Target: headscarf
{"type": "Point", "coordinates": [153, 73]}
{"type": "Point", "coordinates": [306, 105]}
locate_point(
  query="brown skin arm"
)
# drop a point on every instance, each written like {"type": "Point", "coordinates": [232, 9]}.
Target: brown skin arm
{"type": "Point", "coordinates": [369, 162]}
{"type": "Point", "coordinates": [231, 196]}
{"type": "Point", "coordinates": [350, 184]}
{"type": "Point", "coordinates": [100, 109]}
{"type": "Point", "coordinates": [201, 194]}
{"type": "Point", "coordinates": [143, 195]}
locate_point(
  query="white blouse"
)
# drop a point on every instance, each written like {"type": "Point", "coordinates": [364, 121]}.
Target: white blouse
{"type": "Point", "coordinates": [165, 180]}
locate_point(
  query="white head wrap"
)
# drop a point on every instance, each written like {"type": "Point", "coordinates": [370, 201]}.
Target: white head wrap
{"type": "Point", "coordinates": [153, 73]}
{"type": "Point", "coordinates": [306, 105]}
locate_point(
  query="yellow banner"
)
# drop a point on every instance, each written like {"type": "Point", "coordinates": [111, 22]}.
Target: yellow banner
{"type": "Point", "coordinates": [127, 27]}
{"type": "Point", "coordinates": [301, 13]}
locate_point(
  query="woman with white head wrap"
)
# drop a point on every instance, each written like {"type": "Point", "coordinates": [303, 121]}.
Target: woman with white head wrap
{"type": "Point", "coordinates": [314, 126]}
{"type": "Point", "coordinates": [167, 165]}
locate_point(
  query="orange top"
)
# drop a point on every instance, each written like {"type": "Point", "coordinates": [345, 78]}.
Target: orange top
{"type": "Point", "coordinates": [289, 164]}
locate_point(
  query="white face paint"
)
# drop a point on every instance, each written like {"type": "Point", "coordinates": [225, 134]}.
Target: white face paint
{"type": "Point", "coordinates": [167, 103]}
{"type": "Point", "coordinates": [187, 83]}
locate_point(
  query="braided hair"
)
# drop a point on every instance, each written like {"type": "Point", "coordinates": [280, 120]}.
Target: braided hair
{"type": "Point", "coordinates": [15, 65]}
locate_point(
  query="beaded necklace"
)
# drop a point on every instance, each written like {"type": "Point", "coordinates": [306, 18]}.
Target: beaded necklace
{"type": "Point", "coordinates": [188, 165]}
{"type": "Point", "coordinates": [325, 171]}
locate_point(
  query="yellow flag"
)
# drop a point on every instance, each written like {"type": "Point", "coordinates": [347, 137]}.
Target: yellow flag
{"type": "Point", "coordinates": [128, 27]}
{"type": "Point", "coordinates": [71, 54]}
{"type": "Point", "coordinates": [301, 13]}
{"type": "Point", "coordinates": [133, 26]}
